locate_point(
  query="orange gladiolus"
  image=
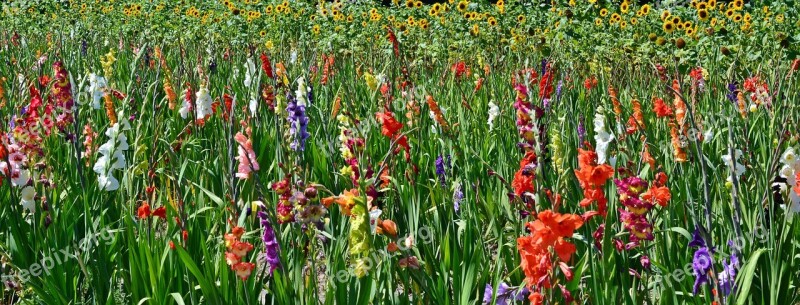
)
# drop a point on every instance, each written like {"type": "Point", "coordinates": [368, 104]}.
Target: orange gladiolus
{"type": "Point", "coordinates": [548, 232]}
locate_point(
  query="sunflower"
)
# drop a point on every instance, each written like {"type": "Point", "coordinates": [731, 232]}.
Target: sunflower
{"type": "Point", "coordinates": [712, 4]}
{"type": "Point", "coordinates": [690, 32]}
{"type": "Point", "coordinates": [634, 21]}
{"type": "Point", "coordinates": [737, 18]}
{"type": "Point", "coordinates": [598, 21]}
{"type": "Point", "coordinates": [668, 27]}
{"type": "Point", "coordinates": [738, 4]}
{"type": "Point", "coordinates": [262, 33]}
{"type": "Point", "coordinates": [603, 12]}
{"type": "Point", "coordinates": [702, 6]}
{"type": "Point", "coordinates": [729, 13]}
{"type": "Point", "coordinates": [779, 18]}
{"type": "Point", "coordinates": [623, 24]}
{"type": "Point", "coordinates": [624, 7]}
{"type": "Point", "coordinates": [661, 41]}
{"type": "Point", "coordinates": [410, 3]}
{"type": "Point", "coordinates": [315, 29]}
{"type": "Point", "coordinates": [418, 4]}
{"type": "Point", "coordinates": [475, 30]}
{"type": "Point", "coordinates": [491, 21]}
{"type": "Point", "coordinates": [424, 26]}
{"type": "Point", "coordinates": [687, 24]}
{"type": "Point", "coordinates": [748, 17]}
{"type": "Point", "coordinates": [665, 15]}
{"type": "Point", "coordinates": [521, 18]}
{"type": "Point", "coordinates": [462, 6]}
{"type": "Point", "coordinates": [616, 17]}
{"type": "Point", "coordinates": [713, 21]}
{"type": "Point", "coordinates": [702, 14]}
{"type": "Point", "coordinates": [645, 9]}
{"type": "Point", "coordinates": [433, 12]}
{"type": "Point", "coordinates": [410, 21]}
{"type": "Point", "coordinates": [349, 18]}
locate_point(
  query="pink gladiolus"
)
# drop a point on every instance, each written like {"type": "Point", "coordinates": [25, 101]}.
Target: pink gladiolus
{"type": "Point", "coordinates": [247, 157]}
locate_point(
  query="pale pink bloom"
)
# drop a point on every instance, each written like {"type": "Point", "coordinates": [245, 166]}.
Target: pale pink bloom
{"type": "Point", "coordinates": [247, 157]}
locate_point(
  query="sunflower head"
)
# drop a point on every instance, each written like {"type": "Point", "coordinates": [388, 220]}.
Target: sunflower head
{"type": "Point", "coordinates": [668, 27]}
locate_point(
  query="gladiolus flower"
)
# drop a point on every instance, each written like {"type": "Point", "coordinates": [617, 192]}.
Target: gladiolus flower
{"type": "Point", "coordinates": [144, 211]}
{"type": "Point", "coordinates": [243, 269]}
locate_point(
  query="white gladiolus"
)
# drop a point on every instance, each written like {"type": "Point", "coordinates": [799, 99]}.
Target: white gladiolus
{"type": "Point", "coordinates": [602, 136]}
{"type": "Point", "coordinates": [301, 94]}
{"type": "Point", "coordinates": [738, 168]}
{"type": "Point", "coordinates": [789, 171]}
{"type": "Point", "coordinates": [186, 106]}
{"type": "Point", "coordinates": [112, 156]}
{"type": "Point", "coordinates": [203, 103]}
{"type": "Point", "coordinates": [494, 111]}
{"type": "Point", "coordinates": [27, 198]}
{"type": "Point", "coordinates": [250, 72]}
{"type": "Point", "coordinates": [96, 85]}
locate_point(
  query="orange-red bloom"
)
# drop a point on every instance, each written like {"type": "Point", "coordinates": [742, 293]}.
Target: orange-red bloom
{"type": "Point", "coordinates": [144, 211]}
{"type": "Point", "coordinates": [524, 178]}
{"type": "Point", "coordinates": [548, 235]}
{"type": "Point", "coordinates": [592, 177]}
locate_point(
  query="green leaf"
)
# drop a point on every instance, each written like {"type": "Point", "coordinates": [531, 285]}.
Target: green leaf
{"type": "Point", "coordinates": [747, 276]}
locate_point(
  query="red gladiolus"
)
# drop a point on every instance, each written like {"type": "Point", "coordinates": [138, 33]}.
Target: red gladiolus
{"type": "Point", "coordinates": [144, 211]}
{"type": "Point", "coordinates": [390, 128]}
{"type": "Point", "coordinates": [548, 235]}
{"type": "Point", "coordinates": [592, 177]}
{"type": "Point", "coordinates": [160, 212]}
{"type": "Point", "coordinates": [524, 178]}
{"type": "Point", "coordinates": [266, 65]}
{"type": "Point", "coordinates": [660, 108]}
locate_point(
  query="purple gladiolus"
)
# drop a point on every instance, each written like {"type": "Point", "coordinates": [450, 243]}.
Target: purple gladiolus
{"type": "Point", "coordinates": [272, 249]}
{"type": "Point", "coordinates": [732, 92]}
{"type": "Point", "coordinates": [440, 171]}
{"type": "Point", "coordinates": [298, 123]}
{"type": "Point", "coordinates": [458, 197]}
{"type": "Point", "coordinates": [701, 264]}
{"type": "Point", "coordinates": [505, 293]}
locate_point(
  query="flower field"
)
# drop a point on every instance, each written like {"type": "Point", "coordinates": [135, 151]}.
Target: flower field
{"type": "Point", "coordinates": [358, 152]}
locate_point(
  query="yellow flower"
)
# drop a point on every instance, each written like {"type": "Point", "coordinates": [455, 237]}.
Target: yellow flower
{"type": "Point", "coordinates": [491, 21]}
{"type": "Point", "coordinates": [702, 14]}
{"type": "Point", "coordinates": [315, 29]}
{"type": "Point", "coordinates": [462, 6]}
{"type": "Point", "coordinates": [624, 7]}
{"type": "Point", "coordinates": [668, 27]}
{"type": "Point", "coordinates": [665, 15]}
{"type": "Point", "coordinates": [603, 12]}
{"type": "Point", "coordinates": [521, 18]}
{"type": "Point", "coordinates": [645, 9]}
